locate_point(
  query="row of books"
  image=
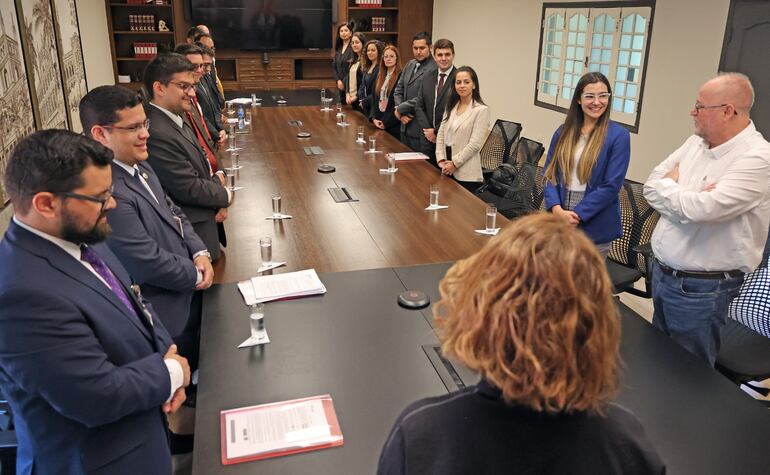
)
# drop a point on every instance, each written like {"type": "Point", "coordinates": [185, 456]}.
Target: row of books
{"type": "Point", "coordinates": [145, 49]}
{"type": "Point", "coordinates": [369, 3]}
{"type": "Point", "coordinates": [378, 23]}
{"type": "Point", "coordinates": [141, 22]}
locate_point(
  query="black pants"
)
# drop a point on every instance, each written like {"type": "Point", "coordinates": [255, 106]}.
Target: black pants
{"type": "Point", "coordinates": [188, 342]}
{"type": "Point", "coordinates": [471, 186]}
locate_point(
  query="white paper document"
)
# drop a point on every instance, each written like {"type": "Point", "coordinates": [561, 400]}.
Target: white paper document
{"type": "Point", "coordinates": [404, 156]}
{"type": "Point", "coordinates": [264, 267]}
{"type": "Point", "coordinates": [280, 216]}
{"type": "Point", "coordinates": [488, 232]}
{"type": "Point", "coordinates": [265, 429]}
{"type": "Point", "coordinates": [275, 287]}
{"type": "Point", "coordinates": [242, 100]}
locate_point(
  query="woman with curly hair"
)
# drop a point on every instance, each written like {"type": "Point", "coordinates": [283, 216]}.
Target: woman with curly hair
{"type": "Point", "coordinates": [532, 312]}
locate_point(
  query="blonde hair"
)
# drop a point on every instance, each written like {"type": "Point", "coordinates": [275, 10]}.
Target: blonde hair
{"type": "Point", "coordinates": [533, 312]}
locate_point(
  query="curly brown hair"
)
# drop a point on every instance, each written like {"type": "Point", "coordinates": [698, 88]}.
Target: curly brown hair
{"type": "Point", "coordinates": [533, 312]}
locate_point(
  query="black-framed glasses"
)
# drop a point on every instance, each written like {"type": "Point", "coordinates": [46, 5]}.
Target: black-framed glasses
{"type": "Point", "coordinates": [131, 128]}
{"type": "Point", "coordinates": [700, 107]}
{"type": "Point", "coordinates": [95, 199]}
{"type": "Point", "coordinates": [182, 85]}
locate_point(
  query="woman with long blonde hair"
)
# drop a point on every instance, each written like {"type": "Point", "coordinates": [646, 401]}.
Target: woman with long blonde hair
{"type": "Point", "coordinates": [587, 163]}
{"type": "Point", "coordinates": [532, 312]}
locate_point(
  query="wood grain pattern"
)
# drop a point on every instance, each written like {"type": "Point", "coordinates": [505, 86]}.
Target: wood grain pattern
{"type": "Point", "coordinates": [388, 227]}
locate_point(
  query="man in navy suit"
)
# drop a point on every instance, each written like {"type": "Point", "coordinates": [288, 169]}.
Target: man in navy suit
{"type": "Point", "coordinates": [150, 234]}
{"type": "Point", "coordinates": [88, 368]}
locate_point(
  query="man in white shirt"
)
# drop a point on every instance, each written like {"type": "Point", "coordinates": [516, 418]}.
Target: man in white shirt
{"type": "Point", "coordinates": [714, 199]}
{"type": "Point", "coordinates": [88, 368]}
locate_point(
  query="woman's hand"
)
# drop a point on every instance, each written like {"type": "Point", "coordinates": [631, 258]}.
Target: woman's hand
{"type": "Point", "coordinates": [448, 167]}
{"type": "Point", "coordinates": [378, 123]}
{"type": "Point", "coordinates": [349, 99]}
{"type": "Point", "coordinates": [569, 216]}
{"type": "Point", "coordinates": [340, 85]}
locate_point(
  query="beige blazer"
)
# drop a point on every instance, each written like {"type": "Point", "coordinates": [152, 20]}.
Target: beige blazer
{"type": "Point", "coordinates": [469, 136]}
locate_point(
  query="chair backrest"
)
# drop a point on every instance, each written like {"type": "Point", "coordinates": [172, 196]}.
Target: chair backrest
{"type": "Point", "coordinates": [638, 219]}
{"type": "Point", "coordinates": [499, 144]}
{"type": "Point", "coordinates": [527, 151]}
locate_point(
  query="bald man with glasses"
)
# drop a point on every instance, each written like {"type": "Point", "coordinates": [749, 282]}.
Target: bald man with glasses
{"type": "Point", "coordinates": [713, 195]}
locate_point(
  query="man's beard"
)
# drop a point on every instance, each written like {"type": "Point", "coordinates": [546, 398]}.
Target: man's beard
{"type": "Point", "coordinates": [72, 233]}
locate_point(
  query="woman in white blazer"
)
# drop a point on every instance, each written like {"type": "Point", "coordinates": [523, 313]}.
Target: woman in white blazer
{"type": "Point", "coordinates": [463, 131]}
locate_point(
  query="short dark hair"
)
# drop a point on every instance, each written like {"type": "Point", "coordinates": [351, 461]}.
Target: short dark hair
{"type": "Point", "coordinates": [184, 49]}
{"type": "Point", "coordinates": [423, 35]}
{"type": "Point", "coordinates": [101, 104]}
{"type": "Point", "coordinates": [50, 160]}
{"type": "Point", "coordinates": [193, 32]}
{"type": "Point", "coordinates": [444, 43]}
{"type": "Point", "coordinates": [163, 67]}
{"type": "Point", "coordinates": [205, 49]}
{"type": "Point", "coordinates": [202, 35]}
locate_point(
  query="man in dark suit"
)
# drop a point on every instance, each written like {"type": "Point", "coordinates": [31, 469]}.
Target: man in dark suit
{"type": "Point", "coordinates": [407, 88]}
{"type": "Point", "coordinates": [433, 95]}
{"type": "Point", "coordinates": [206, 40]}
{"type": "Point", "coordinates": [175, 154]}
{"type": "Point", "coordinates": [150, 234]}
{"type": "Point", "coordinates": [87, 367]}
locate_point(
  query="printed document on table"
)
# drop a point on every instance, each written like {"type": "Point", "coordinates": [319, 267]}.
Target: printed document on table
{"type": "Point", "coordinates": [404, 156]}
{"type": "Point", "coordinates": [280, 286]}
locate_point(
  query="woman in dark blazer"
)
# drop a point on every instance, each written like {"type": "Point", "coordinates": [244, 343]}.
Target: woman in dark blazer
{"type": "Point", "coordinates": [532, 312]}
{"type": "Point", "coordinates": [587, 163]}
{"type": "Point", "coordinates": [383, 109]}
{"type": "Point", "coordinates": [371, 67]}
{"type": "Point", "coordinates": [343, 55]}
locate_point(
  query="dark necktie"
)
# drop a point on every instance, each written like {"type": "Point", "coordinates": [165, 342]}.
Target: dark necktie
{"type": "Point", "coordinates": [87, 254]}
{"type": "Point", "coordinates": [440, 86]}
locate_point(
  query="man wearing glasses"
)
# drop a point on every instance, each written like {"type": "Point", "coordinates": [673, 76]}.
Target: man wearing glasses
{"type": "Point", "coordinates": [150, 234]}
{"type": "Point", "coordinates": [175, 154]}
{"type": "Point", "coordinates": [713, 197]}
{"type": "Point", "coordinates": [88, 368]}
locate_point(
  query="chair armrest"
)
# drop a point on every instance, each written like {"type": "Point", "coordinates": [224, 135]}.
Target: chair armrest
{"type": "Point", "coordinates": [644, 249]}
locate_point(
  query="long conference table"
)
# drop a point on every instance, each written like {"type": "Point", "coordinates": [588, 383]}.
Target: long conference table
{"type": "Point", "coordinates": [374, 357]}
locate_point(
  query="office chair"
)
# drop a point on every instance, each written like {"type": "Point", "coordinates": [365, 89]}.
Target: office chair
{"type": "Point", "coordinates": [499, 144]}
{"type": "Point", "coordinates": [8, 442]}
{"type": "Point", "coordinates": [629, 258]}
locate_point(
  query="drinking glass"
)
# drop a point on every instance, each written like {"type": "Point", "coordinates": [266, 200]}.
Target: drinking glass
{"type": "Point", "coordinates": [360, 135]}
{"type": "Point", "coordinates": [266, 249]}
{"type": "Point", "coordinates": [434, 195]}
{"type": "Point", "coordinates": [491, 217]}
{"type": "Point", "coordinates": [372, 144]}
{"type": "Point", "coordinates": [257, 319]}
{"type": "Point", "coordinates": [276, 204]}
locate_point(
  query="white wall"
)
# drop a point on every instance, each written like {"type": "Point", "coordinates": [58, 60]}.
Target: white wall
{"type": "Point", "coordinates": [499, 38]}
{"type": "Point", "coordinates": [95, 39]}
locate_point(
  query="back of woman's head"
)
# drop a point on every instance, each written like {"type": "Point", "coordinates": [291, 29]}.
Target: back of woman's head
{"type": "Point", "coordinates": [532, 311]}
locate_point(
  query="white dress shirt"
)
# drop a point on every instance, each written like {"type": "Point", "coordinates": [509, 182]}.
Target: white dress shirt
{"type": "Point", "coordinates": [719, 230]}
{"type": "Point", "coordinates": [175, 374]}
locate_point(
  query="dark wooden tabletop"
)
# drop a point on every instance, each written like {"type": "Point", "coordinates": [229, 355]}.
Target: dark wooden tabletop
{"type": "Point", "coordinates": [387, 227]}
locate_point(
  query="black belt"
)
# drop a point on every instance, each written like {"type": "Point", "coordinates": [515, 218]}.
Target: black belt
{"type": "Point", "coordinates": [717, 275]}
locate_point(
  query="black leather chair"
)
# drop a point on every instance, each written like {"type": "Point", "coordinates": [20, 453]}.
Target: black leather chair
{"type": "Point", "coordinates": [8, 442]}
{"type": "Point", "coordinates": [629, 258]}
{"type": "Point", "coordinates": [500, 144]}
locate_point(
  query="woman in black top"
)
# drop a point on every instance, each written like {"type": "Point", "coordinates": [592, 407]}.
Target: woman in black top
{"type": "Point", "coordinates": [371, 65]}
{"type": "Point", "coordinates": [343, 55]}
{"type": "Point", "coordinates": [383, 108]}
{"type": "Point", "coordinates": [533, 313]}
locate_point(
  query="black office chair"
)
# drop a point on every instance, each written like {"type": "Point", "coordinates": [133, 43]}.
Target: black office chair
{"type": "Point", "coordinates": [629, 258]}
{"type": "Point", "coordinates": [8, 442]}
{"type": "Point", "coordinates": [500, 142]}
{"type": "Point", "coordinates": [527, 151]}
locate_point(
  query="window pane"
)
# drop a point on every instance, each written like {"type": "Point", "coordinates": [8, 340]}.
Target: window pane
{"type": "Point", "coordinates": [568, 66]}
{"type": "Point", "coordinates": [623, 57]}
{"type": "Point", "coordinates": [628, 106]}
{"type": "Point", "coordinates": [617, 104]}
{"type": "Point", "coordinates": [628, 24]}
{"type": "Point", "coordinates": [583, 22]}
{"type": "Point", "coordinates": [573, 22]}
{"type": "Point", "coordinates": [608, 40]}
{"type": "Point", "coordinates": [552, 22]}
{"type": "Point", "coordinates": [558, 37]}
{"type": "Point", "coordinates": [621, 75]}
{"type": "Point", "coordinates": [639, 24]}
{"type": "Point", "coordinates": [636, 59]}
{"type": "Point", "coordinates": [638, 41]}
{"type": "Point", "coordinates": [606, 55]}
{"type": "Point", "coordinates": [599, 23]}
{"type": "Point", "coordinates": [566, 93]}
{"type": "Point", "coordinates": [571, 38]}
{"type": "Point", "coordinates": [596, 54]}
{"type": "Point", "coordinates": [632, 88]}
{"type": "Point", "coordinates": [632, 75]}
{"type": "Point", "coordinates": [571, 52]}
{"type": "Point", "coordinates": [556, 50]}
{"type": "Point", "coordinates": [620, 88]}
{"type": "Point", "coordinates": [551, 36]}
{"type": "Point", "coordinates": [549, 49]}
{"type": "Point", "coordinates": [568, 77]}
{"type": "Point", "coordinates": [552, 88]}
{"type": "Point", "coordinates": [593, 66]}
{"type": "Point", "coordinates": [580, 53]}
{"type": "Point", "coordinates": [625, 41]}
{"type": "Point", "coordinates": [576, 77]}
{"type": "Point", "coordinates": [596, 40]}
{"type": "Point", "coordinates": [559, 22]}
{"type": "Point", "coordinates": [581, 39]}
{"type": "Point", "coordinates": [605, 69]}
{"type": "Point", "coordinates": [610, 23]}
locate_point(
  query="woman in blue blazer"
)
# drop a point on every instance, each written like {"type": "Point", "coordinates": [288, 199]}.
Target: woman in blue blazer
{"type": "Point", "coordinates": [587, 163]}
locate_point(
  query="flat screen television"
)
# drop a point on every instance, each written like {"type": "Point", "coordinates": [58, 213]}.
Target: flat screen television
{"type": "Point", "coordinates": [266, 24]}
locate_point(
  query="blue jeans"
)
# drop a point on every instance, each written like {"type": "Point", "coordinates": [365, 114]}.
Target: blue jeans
{"type": "Point", "coordinates": [692, 311]}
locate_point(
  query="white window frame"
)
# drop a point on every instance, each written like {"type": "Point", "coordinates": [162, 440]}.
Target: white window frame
{"type": "Point", "coordinates": [565, 74]}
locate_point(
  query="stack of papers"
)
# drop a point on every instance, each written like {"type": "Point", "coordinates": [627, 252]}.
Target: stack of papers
{"type": "Point", "coordinates": [241, 100]}
{"type": "Point", "coordinates": [281, 286]}
{"type": "Point", "coordinates": [403, 156]}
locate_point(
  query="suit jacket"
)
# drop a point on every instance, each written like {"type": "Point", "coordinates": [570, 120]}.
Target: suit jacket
{"type": "Point", "coordinates": [84, 376]}
{"type": "Point", "coordinates": [407, 89]}
{"type": "Point", "coordinates": [392, 124]}
{"type": "Point", "coordinates": [428, 108]}
{"type": "Point", "coordinates": [210, 106]}
{"type": "Point", "coordinates": [183, 170]}
{"type": "Point", "coordinates": [469, 135]}
{"type": "Point", "coordinates": [366, 90]}
{"type": "Point", "coordinates": [155, 242]}
{"type": "Point", "coordinates": [599, 210]}
{"type": "Point", "coordinates": [214, 83]}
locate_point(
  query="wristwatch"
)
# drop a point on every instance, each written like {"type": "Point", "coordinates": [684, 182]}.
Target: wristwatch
{"type": "Point", "coordinates": [203, 253]}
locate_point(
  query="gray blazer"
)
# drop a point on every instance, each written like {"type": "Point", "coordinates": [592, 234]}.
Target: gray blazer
{"type": "Point", "coordinates": [406, 91]}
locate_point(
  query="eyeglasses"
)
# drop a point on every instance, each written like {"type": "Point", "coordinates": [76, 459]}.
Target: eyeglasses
{"type": "Point", "coordinates": [95, 199]}
{"type": "Point", "coordinates": [199, 66]}
{"type": "Point", "coordinates": [207, 66]}
{"type": "Point", "coordinates": [603, 97]}
{"type": "Point", "coordinates": [700, 107]}
{"type": "Point", "coordinates": [182, 85]}
{"type": "Point", "coordinates": [134, 129]}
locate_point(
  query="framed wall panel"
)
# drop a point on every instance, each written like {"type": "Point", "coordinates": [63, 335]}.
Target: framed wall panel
{"type": "Point", "coordinates": [71, 58]}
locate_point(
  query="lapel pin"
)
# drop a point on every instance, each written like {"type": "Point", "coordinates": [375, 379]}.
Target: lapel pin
{"type": "Point", "coordinates": [145, 176]}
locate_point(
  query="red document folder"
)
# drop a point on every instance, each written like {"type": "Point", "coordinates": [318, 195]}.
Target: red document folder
{"type": "Point", "coordinates": [334, 437]}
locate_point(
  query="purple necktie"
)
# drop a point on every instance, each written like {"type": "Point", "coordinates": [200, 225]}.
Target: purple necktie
{"type": "Point", "coordinates": [89, 255]}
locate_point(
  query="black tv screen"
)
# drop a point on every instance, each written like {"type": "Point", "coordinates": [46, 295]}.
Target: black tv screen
{"type": "Point", "coordinates": [266, 24]}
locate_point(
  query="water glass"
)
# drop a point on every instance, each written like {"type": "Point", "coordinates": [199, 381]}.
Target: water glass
{"type": "Point", "coordinates": [230, 174]}
{"type": "Point", "coordinates": [266, 249]}
{"type": "Point", "coordinates": [339, 109]}
{"type": "Point", "coordinates": [257, 319]}
{"type": "Point", "coordinates": [391, 163]}
{"type": "Point", "coordinates": [342, 117]}
{"type": "Point", "coordinates": [276, 204]}
{"type": "Point", "coordinates": [360, 135]}
{"type": "Point", "coordinates": [491, 217]}
{"type": "Point", "coordinates": [253, 100]}
{"type": "Point", "coordinates": [372, 144]}
{"type": "Point", "coordinates": [434, 195]}
{"type": "Point", "coordinates": [247, 117]}
{"type": "Point", "coordinates": [235, 160]}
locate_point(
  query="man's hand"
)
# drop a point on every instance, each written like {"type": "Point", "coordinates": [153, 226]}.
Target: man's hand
{"type": "Point", "coordinates": [378, 123]}
{"type": "Point", "coordinates": [349, 99]}
{"type": "Point", "coordinates": [430, 134]}
{"type": "Point", "coordinates": [221, 175]}
{"type": "Point", "coordinates": [340, 85]}
{"type": "Point", "coordinates": [171, 354]}
{"type": "Point", "coordinates": [176, 401]}
{"type": "Point", "coordinates": [221, 215]}
{"type": "Point", "coordinates": [203, 264]}
{"type": "Point", "coordinates": [673, 173]}
{"type": "Point", "coordinates": [222, 137]}
{"type": "Point", "coordinates": [397, 113]}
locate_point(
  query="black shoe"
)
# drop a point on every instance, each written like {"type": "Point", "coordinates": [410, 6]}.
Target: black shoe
{"type": "Point", "coordinates": [180, 443]}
